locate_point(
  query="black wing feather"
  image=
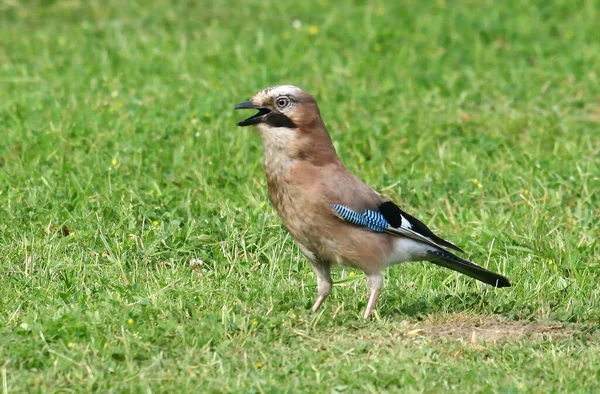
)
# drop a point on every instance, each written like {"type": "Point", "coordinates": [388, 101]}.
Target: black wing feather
{"type": "Point", "coordinates": [393, 214]}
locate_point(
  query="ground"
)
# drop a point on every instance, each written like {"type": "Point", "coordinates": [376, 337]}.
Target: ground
{"type": "Point", "coordinates": [139, 250]}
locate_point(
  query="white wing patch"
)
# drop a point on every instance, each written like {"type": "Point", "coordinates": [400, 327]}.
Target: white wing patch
{"type": "Point", "coordinates": [407, 232]}
{"type": "Point", "coordinates": [405, 223]}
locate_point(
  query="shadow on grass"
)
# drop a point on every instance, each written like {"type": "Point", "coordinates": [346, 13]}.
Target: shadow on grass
{"type": "Point", "coordinates": [419, 308]}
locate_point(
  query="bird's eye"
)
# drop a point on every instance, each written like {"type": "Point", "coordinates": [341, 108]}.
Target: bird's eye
{"type": "Point", "coordinates": [283, 102]}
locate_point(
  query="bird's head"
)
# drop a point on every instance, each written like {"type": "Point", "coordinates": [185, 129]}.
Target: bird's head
{"type": "Point", "coordinates": [289, 121]}
{"type": "Point", "coordinates": [282, 106]}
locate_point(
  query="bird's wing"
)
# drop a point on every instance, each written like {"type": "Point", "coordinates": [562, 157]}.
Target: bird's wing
{"type": "Point", "coordinates": [357, 203]}
{"type": "Point", "coordinates": [389, 218]}
{"type": "Point", "coordinates": [400, 219]}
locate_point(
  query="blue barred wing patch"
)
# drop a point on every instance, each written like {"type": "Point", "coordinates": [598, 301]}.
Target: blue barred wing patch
{"type": "Point", "coordinates": [370, 219]}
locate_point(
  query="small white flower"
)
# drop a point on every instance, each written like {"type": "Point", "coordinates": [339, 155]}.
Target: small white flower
{"type": "Point", "coordinates": [296, 24]}
{"type": "Point", "coordinates": [196, 262]}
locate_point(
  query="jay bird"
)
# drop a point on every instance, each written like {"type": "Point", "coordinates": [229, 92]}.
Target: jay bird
{"type": "Point", "coordinates": [333, 216]}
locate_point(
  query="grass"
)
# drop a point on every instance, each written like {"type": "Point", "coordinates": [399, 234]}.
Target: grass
{"type": "Point", "coordinates": [139, 250]}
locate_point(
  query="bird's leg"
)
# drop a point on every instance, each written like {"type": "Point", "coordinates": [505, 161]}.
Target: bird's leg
{"type": "Point", "coordinates": [324, 282]}
{"type": "Point", "coordinates": [374, 282]}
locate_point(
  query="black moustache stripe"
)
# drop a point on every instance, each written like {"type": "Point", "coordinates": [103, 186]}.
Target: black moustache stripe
{"type": "Point", "coordinates": [280, 120]}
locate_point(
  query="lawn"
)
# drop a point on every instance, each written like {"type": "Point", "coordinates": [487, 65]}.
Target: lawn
{"type": "Point", "coordinates": [140, 252]}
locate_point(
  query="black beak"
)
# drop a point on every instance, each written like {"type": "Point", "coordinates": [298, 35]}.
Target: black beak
{"type": "Point", "coordinates": [254, 119]}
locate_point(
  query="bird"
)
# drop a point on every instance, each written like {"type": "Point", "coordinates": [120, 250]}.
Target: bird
{"type": "Point", "coordinates": [333, 216]}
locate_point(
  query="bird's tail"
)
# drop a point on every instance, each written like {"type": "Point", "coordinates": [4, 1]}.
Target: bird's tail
{"type": "Point", "coordinates": [449, 260]}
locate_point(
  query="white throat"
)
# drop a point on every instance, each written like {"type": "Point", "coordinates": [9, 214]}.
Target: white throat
{"type": "Point", "coordinates": [277, 143]}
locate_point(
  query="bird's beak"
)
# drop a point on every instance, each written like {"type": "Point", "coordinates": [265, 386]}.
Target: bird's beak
{"type": "Point", "coordinates": [254, 119]}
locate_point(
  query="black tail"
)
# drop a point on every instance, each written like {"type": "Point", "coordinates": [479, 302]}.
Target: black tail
{"type": "Point", "coordinates": [449, 260]}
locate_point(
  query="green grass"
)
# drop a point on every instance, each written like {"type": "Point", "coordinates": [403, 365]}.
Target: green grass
{"type": "Point", "coordinates": [481, 117]}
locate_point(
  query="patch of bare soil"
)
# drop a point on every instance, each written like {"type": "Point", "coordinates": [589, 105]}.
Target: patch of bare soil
{"type": "Point", "coordinates": [475, 328]}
